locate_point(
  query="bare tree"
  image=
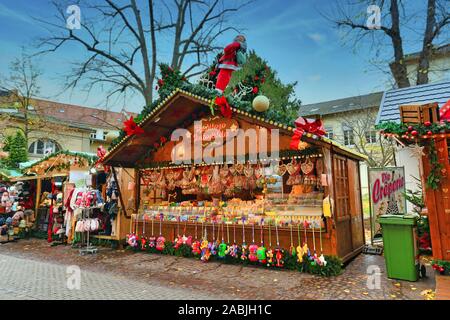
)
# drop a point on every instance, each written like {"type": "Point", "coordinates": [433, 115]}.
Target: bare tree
{"type": "Point", "coordinates": [124, 40]}
{"type": "Point", "coordinates": [351, 16]}
{"type": "Point", "coordinates": [361, 127]}
{"type": "Point", "coordinates": [20, 87]}
{"type": "Point", "coordinates": [17, 104]}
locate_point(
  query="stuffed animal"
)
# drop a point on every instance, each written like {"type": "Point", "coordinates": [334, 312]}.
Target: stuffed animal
{"type": "Point", "coordinates": [269, 255]}
{"type": "Point", "coordinates": [252, 253]}
{"type": "Point", "coordinates": [300, 253]}
{"type": "Point", "coordinates": [222, 250]}
{"type": "Point", "coordinates": [196, 248]}
{"type": "Point", "coordinates": [244, 249]}
{"type": "Point", "coordinates": [205, 250]}
{"type": "Point", "coordinates": [151, 242]}
{"type": "Point", "coordinates": [261, 254]}
{"type": "Point", "coordinates": [279, 258]}
{"type": "Point", "coordinates": [160, 243]}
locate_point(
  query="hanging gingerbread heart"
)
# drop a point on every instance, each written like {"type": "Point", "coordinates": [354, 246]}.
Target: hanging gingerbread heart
{"type": "Point", "coordinates": [292, 167]}
{"type": "Point", "coordinates": [248, 170]}
{"type": "Point", "coordinates": [259, 171]}
{"type": "Point", "coordinates": [307, 166]}
{"type": "Point", "coordinates": [232, 170]}
{"type": "Point", "coordinates": [239, 168]}
{"type": "Point", "coordinates": [281, 170]}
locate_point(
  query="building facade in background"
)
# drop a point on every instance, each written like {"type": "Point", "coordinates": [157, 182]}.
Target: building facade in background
{"type": "Point", "coordinates": [54, 126]}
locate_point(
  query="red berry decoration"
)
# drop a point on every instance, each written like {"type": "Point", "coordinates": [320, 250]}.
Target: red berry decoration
{"type": "Point", "coordinates": [414, 133]}
{"type": "Point", "coordinates": [427, 123]}
{"type": "Point", "coordinates": [410, 128]}
{"type": "Point", "coordinates": [429, 133]}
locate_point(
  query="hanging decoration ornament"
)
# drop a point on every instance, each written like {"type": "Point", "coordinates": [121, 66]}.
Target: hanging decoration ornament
{"type": "Point", "coordinates": [222, 247]}
{"type": "Point", "coordinates": [234, 249]}
{"type": "Point", "coordinates": [196, 244]}
{"type": "Point", "coordinates": [253, 247]}
{"type": "Point", "coordinates": [152, 239]}
{"type": "Point", "coordinates": [161, 241]}
{"type": "Point", "coordinates": [269, 253]}
{"type": "Point", "coordinates": [261, 252]}
{"type": "Point", "coordinates": [300, 252]}
{"type": "Point", "coordinates": [205, 247]}
{"type": "Point", "coordinates": [131, 128]}
{"type": "Point", "coordinates": [143, 238]}
{"type": "Point", "coordinates": [244, 245]}
{"type": "Point", "coordinates": [261, 103]}
{"type": "Point", "coordinates": [305, 245]}
{"type": "Point", "coordinates": [278, 251]}
{"type": "Point", "coordinates": [292, 248]}
{"type": "Point", "coordinates": [322, 260]}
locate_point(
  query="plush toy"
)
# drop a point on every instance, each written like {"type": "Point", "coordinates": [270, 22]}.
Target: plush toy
{"type": "Point", "coordinates": [160, 243]}
{"type": "Point", "coordinates": [196, 248]}
{"type": "Point", "coordinates": [252, 255]}
{"type": "Point", "coordinates": [132, 240]}
{"type": "Point", "coordinates": [279, 258]}
{"type": "Point", "coordinates": [205, 250]}
{"type": "Point", "coordinates": [244, 249]}
{"type": "Point", "coordinates": [299, 248]}
{"type": "Point", "coordinates": [229, 62]}
{"type": "Point", "coordinates": [222, 250]}
{"type": "Point", "coordinates": [261, 254]}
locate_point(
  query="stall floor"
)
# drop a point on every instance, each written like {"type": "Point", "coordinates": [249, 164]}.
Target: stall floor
{"type": "Point", "coordinates": [182, 278]}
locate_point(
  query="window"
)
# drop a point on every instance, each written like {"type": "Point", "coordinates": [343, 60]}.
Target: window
{"type": "Point", "coordinates": [43, 147]}
{"type": "Point", "coordinates": [349, 139]}
{"type": "Point", "coordinates": [329, 132]}
{"type": "Point", "coordinates": [371, 136]}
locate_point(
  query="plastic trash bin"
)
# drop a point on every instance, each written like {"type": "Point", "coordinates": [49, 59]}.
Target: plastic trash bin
{"type": "Point", "coordinates": [400, 246]}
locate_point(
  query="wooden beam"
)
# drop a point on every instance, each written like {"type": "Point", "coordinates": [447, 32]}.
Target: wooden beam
{"type": "Point", "coordinates": [120, 193]}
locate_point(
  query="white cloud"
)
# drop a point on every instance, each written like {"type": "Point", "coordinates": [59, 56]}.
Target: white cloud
{"type": "Point", "coordinates": [315, 77]}
{"type": "Point", "coordinates": [316, 37]}
{"type": "Point", "coordinates": [9, 13]}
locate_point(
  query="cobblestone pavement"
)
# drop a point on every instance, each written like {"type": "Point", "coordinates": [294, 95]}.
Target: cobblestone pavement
{"type": "Point", "coordinates": [36, 270]}
{"type": "Point", "coordinates": [27, 279]}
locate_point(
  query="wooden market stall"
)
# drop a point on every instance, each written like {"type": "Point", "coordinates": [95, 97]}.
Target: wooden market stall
{"type": "Point", "coordinates": [424, 129]}
{"type": "Point", "coordinates": [50, 173]}
{"type": "Point", "coordinates": [284, 197]}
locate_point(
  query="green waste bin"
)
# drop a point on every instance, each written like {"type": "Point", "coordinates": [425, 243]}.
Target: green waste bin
{"type": "Point", "coordinates": [400, 246]}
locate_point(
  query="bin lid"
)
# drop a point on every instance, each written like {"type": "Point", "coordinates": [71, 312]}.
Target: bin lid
{"type": "Point", "coordinates": [409, 220]}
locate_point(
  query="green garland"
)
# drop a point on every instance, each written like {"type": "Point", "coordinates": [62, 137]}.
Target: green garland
{"type": "Point", "coordinates": [415, 132]}
{"type": "Point", "coordinates": [90, 160]}
{"type": "Point", "coordinates": [333, 267]}
{"type": "Point", "coordinates": [172, 79]}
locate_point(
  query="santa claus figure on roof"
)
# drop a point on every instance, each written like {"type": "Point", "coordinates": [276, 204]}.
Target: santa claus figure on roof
{"type": "Point", "coordinates": [232, 59]}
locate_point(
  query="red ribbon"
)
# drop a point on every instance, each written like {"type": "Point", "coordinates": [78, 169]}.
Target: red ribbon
{"type": "Point", "coordinates": [306, 125]}
{"type": "Point", "coordinates": [444, 111]}
{"type": "Point", "coordinates": [225, 108]}
{"type": "Point", "coordinates": [131, 128]}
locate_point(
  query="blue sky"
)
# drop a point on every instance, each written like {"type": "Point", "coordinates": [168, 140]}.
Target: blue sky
{"type": "Point", "coordinates": [290, 34]}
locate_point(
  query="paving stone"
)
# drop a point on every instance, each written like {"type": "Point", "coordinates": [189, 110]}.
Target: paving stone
{"type": "Point", "coordinates": [34, 270]}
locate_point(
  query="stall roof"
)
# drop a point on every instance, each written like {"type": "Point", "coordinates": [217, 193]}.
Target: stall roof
{"type": "Point", "coordinates": [428, 93]}
{"type": "Point", "coordinates": [9, 174]}
{"type": "Point", "coordinates": [172, 113]}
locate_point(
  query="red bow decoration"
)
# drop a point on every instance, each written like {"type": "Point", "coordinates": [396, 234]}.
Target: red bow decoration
{"type": "Point", "coordinates": [444, 111]}
{"type": "Point", "coordinates": [224, 106]}
{"type": "Point", "coordinates": [132, 128]}
{"type": "Point", "coordinates": [306, 125]}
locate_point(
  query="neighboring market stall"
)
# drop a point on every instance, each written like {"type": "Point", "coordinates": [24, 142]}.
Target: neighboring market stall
{"type": "Point", "coordinates": [426, 130]}
{"type": "Point", "coordinates": [51, 181]}
{"type": "Point", "coordinates": [307, 200]}
{"type": "Point", "coordinates": [15, 207]}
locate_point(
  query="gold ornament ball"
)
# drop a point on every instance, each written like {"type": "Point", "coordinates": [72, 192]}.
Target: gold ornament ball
{"type": "Point", "coordinates": [261, 103]}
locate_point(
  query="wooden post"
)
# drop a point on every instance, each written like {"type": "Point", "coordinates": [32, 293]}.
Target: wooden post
{"type": "Point", "coordinates": [120, 193]}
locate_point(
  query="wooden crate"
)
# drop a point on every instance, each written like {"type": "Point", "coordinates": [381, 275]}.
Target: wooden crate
{"type": "Point", "coordinates": [419, 113]}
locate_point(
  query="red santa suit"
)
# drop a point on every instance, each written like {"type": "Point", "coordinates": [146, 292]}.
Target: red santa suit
{"type": "Point", "coordinates": [228, 64]}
